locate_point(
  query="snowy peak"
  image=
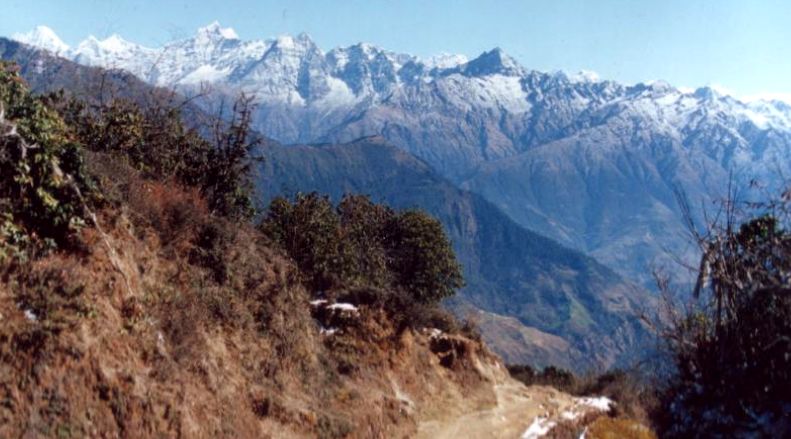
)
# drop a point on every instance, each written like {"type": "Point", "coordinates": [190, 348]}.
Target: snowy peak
{"type": "Point", "coordinates": [445, 61]}
{"type": "Point", "coordinates": [493, 62]}
{"type": "Point", "coordinates": [112, 44]}
{"type": "Point", "coordinates": [300, 45]}
{"type": "Point", "coordinates": [585, 76]}
{"type": "Point", "coordinates": [44, 38]}
{"type": "Point", "coordinates": [294, 70]}
{"type": "Point", "coordinates": [214, 32]}
{"type": "Point", "coordinates": [706, 93]}
{"type": "Point", "coordinates": [111, 52]}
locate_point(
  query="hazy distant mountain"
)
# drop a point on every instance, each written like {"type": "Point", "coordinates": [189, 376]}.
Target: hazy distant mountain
{"type": "Point", "coordinates": [564, 307]}
{"type": "Point", "coordinates": [593, 164]}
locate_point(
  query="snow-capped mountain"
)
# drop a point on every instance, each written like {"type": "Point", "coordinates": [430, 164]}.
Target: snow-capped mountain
{"type": "Point", "coordinates": [590, 162]}
{"type": "Point", "coordinates": [44, 38]}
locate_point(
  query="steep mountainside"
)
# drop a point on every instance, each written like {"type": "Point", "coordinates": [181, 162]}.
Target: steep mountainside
{"type": "Point", "coordinates": [593, 164]}
{"type": "Point", "coordinates": [573, 311]}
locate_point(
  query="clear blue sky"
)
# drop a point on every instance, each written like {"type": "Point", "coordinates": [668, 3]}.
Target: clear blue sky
{"type": "Point", "coordinates": [744, 45]}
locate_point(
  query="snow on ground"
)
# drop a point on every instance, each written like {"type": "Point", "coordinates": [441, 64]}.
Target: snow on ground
{"type": "Point", "coordinates": [30, 315]}
{"type": "Point", "coordinates": [339, 94]}
{"type": "Point", "coordinates": [599, 403]}
{"type": "Point", "coordinates": [538, 428]}
{"type": "Point", "coordinates": [343, 307]}
{"type": "Point", "coordinates": [206, 73]}
{"type": "Point", "coordinates": [580, 406]}
{"type": "Point", "coordinates": [434, 332]}
{"type": "Point", "coordinates": [327, 331]}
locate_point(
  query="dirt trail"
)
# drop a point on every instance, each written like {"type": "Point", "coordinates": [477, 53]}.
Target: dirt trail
{"type": "Point", "coordinates": [516, 408]}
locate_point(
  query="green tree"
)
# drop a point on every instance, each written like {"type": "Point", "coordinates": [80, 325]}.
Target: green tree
{"type": "Point", "coordinates": [365, 257]}
{"type": "Point", "coordinates": [361, 243]}
{"type": "Point", "coordinates": [309, 231]}
{"type": "Point", "coordinates": [423, 259]}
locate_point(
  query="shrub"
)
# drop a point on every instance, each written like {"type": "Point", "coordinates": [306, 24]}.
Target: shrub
{"type": "Point", "coordinates": [155, 141]}
{"type": "Point", "coordinates": [364, 230]}
{"type": "Point", "coordinates": [558, 378]}
{"type": "Point", "coordinates": [360, 243]}
{"type": "Point", "coordinates": [423, 260]}
{"type": "Point", "coordinates": [730, 348]}
{"type": "Point", "coordinates": [309, 231]}
{"type": "Point", "coordinates": [42, 178]}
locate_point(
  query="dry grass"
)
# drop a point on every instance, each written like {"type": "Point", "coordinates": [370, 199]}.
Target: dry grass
{"type": "Point", "coordinates": [618, 428]}
{"type": "Point", "coordinates": [188, 352]}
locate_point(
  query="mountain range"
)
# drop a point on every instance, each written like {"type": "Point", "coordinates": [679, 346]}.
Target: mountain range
{"type": "Point", "coordinates": [496, 151]}
{"type": "Point", "coordinates": [594, 164]}
{"type": "Point", "coordinates": [536, 302]}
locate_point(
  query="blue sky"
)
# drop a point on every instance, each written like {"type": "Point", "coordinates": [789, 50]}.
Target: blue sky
{"type": "Point", "coordinates": [742, 46]}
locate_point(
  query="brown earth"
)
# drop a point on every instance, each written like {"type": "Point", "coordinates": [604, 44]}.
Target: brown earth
{"type": "Point", "coordinates": [144, 333]}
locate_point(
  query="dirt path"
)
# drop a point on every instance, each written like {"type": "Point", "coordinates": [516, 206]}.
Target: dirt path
{"type": "Point", "coordinates": [516, 409]}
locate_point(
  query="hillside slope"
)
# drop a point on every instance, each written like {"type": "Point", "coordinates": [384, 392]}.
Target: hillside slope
{"type": "Point", "coordinates": [130, 340]}
{"type": "Point", "coordinates": [152, 317]}
{"type": "Point", "coordinates": [571, 311]}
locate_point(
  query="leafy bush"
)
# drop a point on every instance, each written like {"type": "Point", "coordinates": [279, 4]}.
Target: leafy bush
{"type": "Point", "coordinates": [308, 230]}
{"type": "Point", "coordinates": [731, 347]}
{"type": "Point", "coordinates": [423, 259]}
{"type": "Point", "coordinates": [558, 378]}
{"type": "Point", "coordinates": [359, 243]}
{"type": "Point", "coordinates": [155, 141]}
{"type": "Point", "coordinates": [42, 180]}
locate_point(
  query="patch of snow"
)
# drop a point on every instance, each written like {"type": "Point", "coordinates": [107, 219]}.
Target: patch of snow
{"type": "Point", "coordinates": [434, 332]}
{"type": "Point", "coordinates": [285, 42]}
{"type": "Point", "coordinates": [538, 428]}
{"type": "Point", "coordinates": [30, 315]}
{"type": "Point", "coordinates": [445, 61]}
{"type": "Point", "coordinates": [114, 43]}
{"type": "Point", "coordinates": [343, 307]}
{"type": "Point", "coordinates": [494, 91]}
{"type": "Point", "coordinates": [599, 403]}
{"type": "Point", "coordinates": [318, 302]}
{"type": "Point", "coordinates": [400, 395]}
{"type": "Point", "coordinates": [569, 415]}
{"type": "Point", "coordinates": [339, 95]}
{"type": "Point", "coordinates": [206, 73]}
{"type": "Point", "coordinates": [760, 120]}
{"type": "Point", "coordinates": [327, 331]}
